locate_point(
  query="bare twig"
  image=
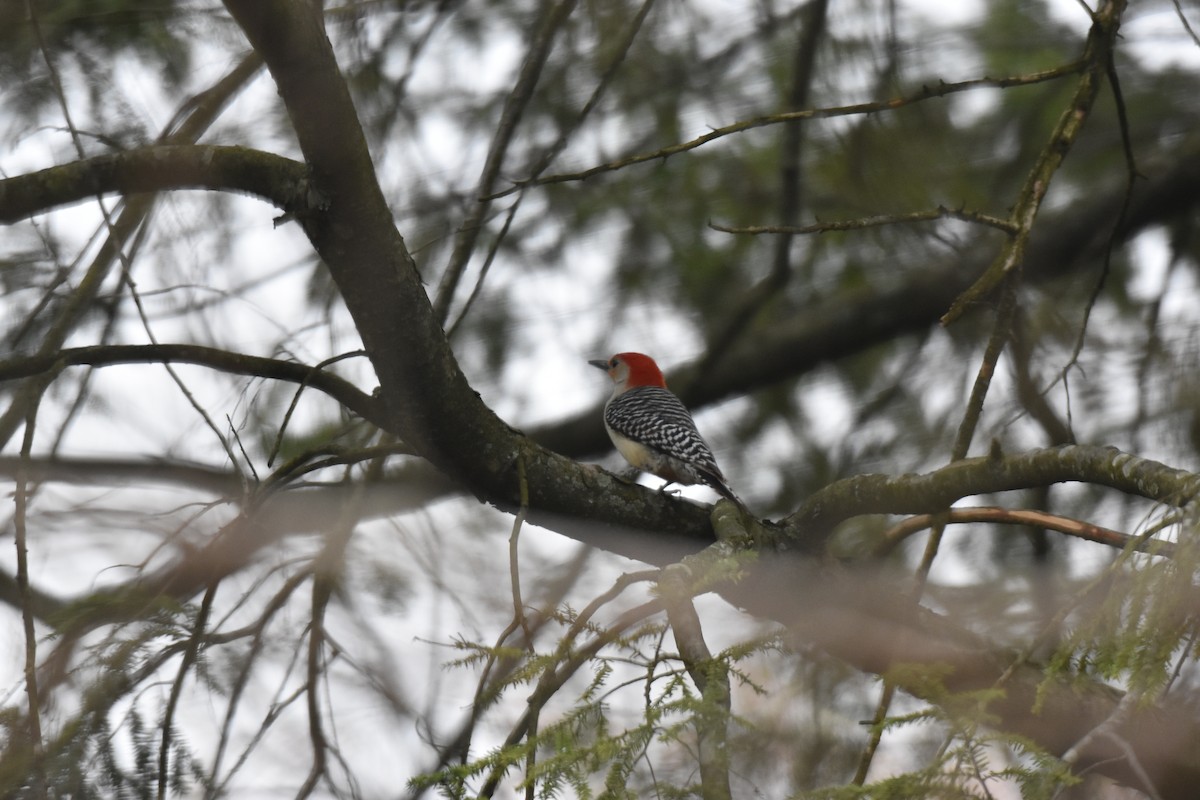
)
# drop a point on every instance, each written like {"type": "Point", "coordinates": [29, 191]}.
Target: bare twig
{"type": "Point", "coordinates": [1131, 171]}
{"type": "Point", "coordinates": [551, 152]}
{"type": "Point", "coordinates": [1001, 332]}
{"type": "Point", "coordinates": [1007, 516]}
{"type": "Point", "coordinates": [941, 212]}
{"type": "Point", "coordinates": [941, 89]}
{"type": "Point", "coordinates": [185, 665]}
{"type": "Point", "coordinates": [1108, 730]}
{"type": "Point", "coordinates": [20, 512]}
{"type": "Point", "coordinates": [811, 27]}
{"type": "Point", "coordinates": [1187, 26]}
{"type": "Point", "coordinates": [327, 572]}
{"type": "Point", "coordinates": [555, 14]}
{"type": "Point", "coordinates": [514, 564]}
{"type": "Point", "coordinates": [224, 360]}
{"type": "Point", "coordinates": [257, 631]}
{"type": "Point", "coordinates": [1096, 58]}
{"type": "Point", "coordinates": [316, 370]}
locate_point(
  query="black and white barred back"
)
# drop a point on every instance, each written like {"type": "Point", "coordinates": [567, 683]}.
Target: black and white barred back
{"type": "Point", "coordinates": [657, 419]}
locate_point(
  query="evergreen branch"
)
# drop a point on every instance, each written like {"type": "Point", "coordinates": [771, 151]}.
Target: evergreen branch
{"type": "Point", "coordinates": [553, 678]}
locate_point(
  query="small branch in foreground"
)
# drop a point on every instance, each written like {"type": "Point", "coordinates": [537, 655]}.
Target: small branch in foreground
{"type": "Point", "coordinates": [711, 677]}
{"type": "Point", "coordinates": [573, 660]}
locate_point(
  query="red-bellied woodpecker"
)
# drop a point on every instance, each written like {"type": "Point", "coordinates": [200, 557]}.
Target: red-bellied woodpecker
{"type": "Point", "coordinates": [652, 428]}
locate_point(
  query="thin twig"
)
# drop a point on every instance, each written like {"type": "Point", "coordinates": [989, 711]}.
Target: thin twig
{"type": "Point", "coordinates": [941, 89]}
{"type": "Point", "coordinates": [336, 387]}
{"type": "Point", "coordinates": [941, 212]}
{"type": "Point", "coordinates": [1187, 26]}
{"type": "Point", "coordinates": [1041, 519]}
{"type": "Point", "coordinates": [1097, 56]}
{"type": "Point", "coordinates": [185, 666]}
{"type": "Point", "coordinates": [573, 659]}
{"type": "Point", "coordinates": [812, 26]}
{"type": "Point", "coordinates": [1001, 332]}
{"type": "Point", "coordinates": [496, 670]}
{"type": "Point", "coordinates": [554, 16]}
{"type": "Point", "coordinates": [256, 630]}
{"type": "Point", "coordinates": [873, 741]}
{"type": "Point", "coordinates": [551, 152]}
{"type": "Point", "coordinates": [514, 540]}
{"type": "Point", "coordinates": [711, 676]}
{"type": "Point", "coordinates": [1131, 172]}
{"type": "Point", "coordinates": [20, 520]}
{"type": "Point", "coordinates": [316, 369]}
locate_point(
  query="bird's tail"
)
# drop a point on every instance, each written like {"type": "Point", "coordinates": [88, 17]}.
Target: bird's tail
{"type": "Point", "coordinates": [719, 485]}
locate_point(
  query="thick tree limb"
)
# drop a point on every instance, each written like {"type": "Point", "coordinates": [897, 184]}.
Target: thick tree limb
{"type": "Point", "coordinates": [157, 168]}
{"type": "Point", "coordinates": [429, 403]}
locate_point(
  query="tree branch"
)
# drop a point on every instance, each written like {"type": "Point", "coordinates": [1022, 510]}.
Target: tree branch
{"type": "Point", "coordinates": [935, 491]}
{"type": "Point", "coordinates": [1097, 55]}
{"type": "Point", "coordinates": [429, 403]}
{"type": "Point", "coordinates": [941, 89]}
{"type": "Point", "coordinates": [1024, 517]}
{"type": "Point", "coordinates": [338, 388]}
{"type": "Point", "coordinates": [278, 180]}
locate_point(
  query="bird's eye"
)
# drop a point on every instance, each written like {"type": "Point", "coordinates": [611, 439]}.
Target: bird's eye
{"type": "Point", "coordinates": [616, 362]}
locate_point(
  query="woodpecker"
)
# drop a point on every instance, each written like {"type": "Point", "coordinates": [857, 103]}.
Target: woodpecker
{"type": "Point", "coordinates": [652, 428]}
